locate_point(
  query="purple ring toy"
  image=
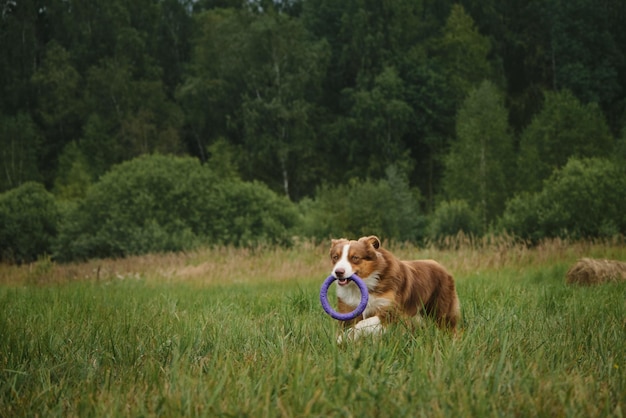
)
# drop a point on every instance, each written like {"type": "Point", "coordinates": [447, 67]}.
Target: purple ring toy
{"type": "Point", "coordinates": [341, 316]}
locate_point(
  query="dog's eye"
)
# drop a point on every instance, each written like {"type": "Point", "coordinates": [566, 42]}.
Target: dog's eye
{"type": "Point", "coordinates": [335, 257]}
{"type": "Point", "coordinates": [355, 258]}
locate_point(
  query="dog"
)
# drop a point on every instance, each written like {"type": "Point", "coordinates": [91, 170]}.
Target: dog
{"type": "Point", "coordinates": [398, 290]}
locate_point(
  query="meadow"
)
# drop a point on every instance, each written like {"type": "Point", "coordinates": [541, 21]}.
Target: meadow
{"type": "Point", "coordinates": [239, 332]}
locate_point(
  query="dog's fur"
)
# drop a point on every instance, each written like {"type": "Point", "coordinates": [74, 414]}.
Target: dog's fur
{"type": "Point", "coordinates": [398, 290]}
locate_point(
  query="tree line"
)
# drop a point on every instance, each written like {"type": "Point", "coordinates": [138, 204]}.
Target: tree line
{"type": "Point", "coordinates": [470, 107]}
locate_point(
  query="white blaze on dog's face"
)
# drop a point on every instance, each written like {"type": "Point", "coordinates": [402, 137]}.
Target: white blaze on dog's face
{"type": "Point", "coordinates": [354, 257]}
{"type": "Point", "coordinates": [342, 269]}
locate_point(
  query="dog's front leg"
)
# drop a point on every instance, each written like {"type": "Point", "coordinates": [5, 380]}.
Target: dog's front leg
{"type": "Point", "coordinates": [369, 326]}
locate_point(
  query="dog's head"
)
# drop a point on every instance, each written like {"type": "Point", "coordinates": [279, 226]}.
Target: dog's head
{"type": "Point", "coordinates": [354, 257]}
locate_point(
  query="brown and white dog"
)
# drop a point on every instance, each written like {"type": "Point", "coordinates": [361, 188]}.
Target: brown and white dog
{"type": "Point", "coordinates": [398, 289]}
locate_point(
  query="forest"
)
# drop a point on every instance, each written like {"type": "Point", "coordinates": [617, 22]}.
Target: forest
{"type": "Point", "coordinates": [413, 119]}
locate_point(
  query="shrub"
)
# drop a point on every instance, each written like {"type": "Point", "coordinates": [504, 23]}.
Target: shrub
{"type": "Point", "coordinates": [521, 218]}
{"type": "Point", "coordinates": [452, 217]}
{"type": "Point", "coordinates": [159, 203]}
{"type": "Point", "coordinates": [585, 199]}
{"type": "Point", "coordinates": [28, 223]}
{"type": "Point", "coordinates": [388, 208]}
{"type": "Point", "coordinates": [251, 213]}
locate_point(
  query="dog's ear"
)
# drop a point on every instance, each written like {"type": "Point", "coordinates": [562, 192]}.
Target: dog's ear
{"type": "Point", "coordinates": [372, 240]}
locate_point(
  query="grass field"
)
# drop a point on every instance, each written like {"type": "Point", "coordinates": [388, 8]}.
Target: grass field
{"type": "Point", "coordinates": [229, 332]}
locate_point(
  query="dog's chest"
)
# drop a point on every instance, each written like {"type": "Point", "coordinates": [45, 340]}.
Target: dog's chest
{"type": "Point", "coordinates": [350, 294]}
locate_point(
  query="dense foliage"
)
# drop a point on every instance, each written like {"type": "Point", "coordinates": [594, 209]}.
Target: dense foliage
{"type": "Point", "coordinates": [314, 100]}
{"type": "Point", "coordinates": [157, 203]}
{"type": "Point", "coordinates": [451, 218]}
{"type": "Point", "coordinates": [29, 217]}
{"type": "Point", "coordinates": [584, 199]}
{"type": "Point", "coordinates": [387, 207]}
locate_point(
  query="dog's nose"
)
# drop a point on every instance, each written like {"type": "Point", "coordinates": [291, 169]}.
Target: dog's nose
{"type": "Point", "coordinates": [340, 272]}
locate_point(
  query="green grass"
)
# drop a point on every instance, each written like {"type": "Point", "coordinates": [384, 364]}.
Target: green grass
{"type": "Point", "coordinates": [145, 345]}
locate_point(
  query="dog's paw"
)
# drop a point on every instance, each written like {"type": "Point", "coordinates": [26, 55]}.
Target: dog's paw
{"type": "Point", "coordinates": [345, 336]}
{"type": "Point", "coordinates": [369, 326]}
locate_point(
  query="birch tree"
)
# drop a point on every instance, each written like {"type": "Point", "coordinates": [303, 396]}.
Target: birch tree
{"type": "Point", "coordinates": [477, 169]}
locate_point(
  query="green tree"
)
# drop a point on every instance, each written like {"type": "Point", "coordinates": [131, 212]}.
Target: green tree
{"type": "Point", "coordinates": [173, 41]}
{"type": "Point", "coordinates": [323, 19]}
{"type": "Point", "coordinates": [128, 117]}
{"type": "Point", "coordinates": [254, 79]}
{"type": "Point", "coordinates": [200, 5]}
{"type": "Point", "coordinates": [283, 77]}
{"type": "Point", "coordinates": [211, 92]}
{"type": "Point", "coordinates": [463, 53]}
{"type": "Point", "coordinates": [564, 128]}
{"type": "Point", "coordinates": [58, 86]}
{"type": "Point", "coordinates": [440, 73]}
{"type": "Point", "coordinates": [19, 46]}
{"type": "Point", "coordinates": [379, 119]}
{"type": "Point", "coordinates": [375, 34]}
{"type": "Point", "coordinates": [431, 98]}
{"type": "Point", "coordinates": [520, 47]}
{"type": "Point", "coordinates": [370, 40]}
{"type": "Point", "coordinates": [584, 56]}
{"type": "Point", "coordinates": [20, 143]}
{"type": "Point", "coordinates": [478, 165]}
{"type": "Point", "coordinates": [620, 147]}
{"type": "Point", "coordinates": [59, 104]}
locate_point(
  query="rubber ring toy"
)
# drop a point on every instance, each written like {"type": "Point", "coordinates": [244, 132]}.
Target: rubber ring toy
{"type": "Point", "coordinates": [344, 316]}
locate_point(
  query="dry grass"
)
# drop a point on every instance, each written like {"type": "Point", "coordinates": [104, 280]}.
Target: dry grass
{"type": "Point", "coordinates": [204, 266]}
{"type": "Point", "coordinates": [461, 255]}
{"type": "Point", "coordinates": [589, 271]}
{"type": "Point", "coordinates": [464, 255]}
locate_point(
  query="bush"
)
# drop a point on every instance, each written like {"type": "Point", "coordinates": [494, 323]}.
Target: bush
{"type": "Point", "coordinates": [585, 199]}
{"type": "Point", "coordinates": [251, 213]}
{"type": "Point", "coordinates": [158, 203]}
{"type": "Point", "coordinates": [28, 223]}
{"type": "Point", "coordinates": [387, 208]}
{"type": "Point", "coordinates": [521, 218]}
{"type": "Point", "coordinates": [453, 217]}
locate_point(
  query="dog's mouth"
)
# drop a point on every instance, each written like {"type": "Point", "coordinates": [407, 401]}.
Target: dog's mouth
{"type": "Point", "coordinates": [343, 281]}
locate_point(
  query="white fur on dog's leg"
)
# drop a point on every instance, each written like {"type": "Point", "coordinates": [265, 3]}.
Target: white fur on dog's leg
{"type": "Point", "coordinates": [418, 321]}
{"type": "Point", "coordinates": [369, 326]}
{"type": "Point", "coordinates": [348, 336]}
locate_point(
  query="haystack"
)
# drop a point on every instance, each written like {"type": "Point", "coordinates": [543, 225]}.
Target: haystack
{"type": "Point", "coordinates": [590, 271]}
